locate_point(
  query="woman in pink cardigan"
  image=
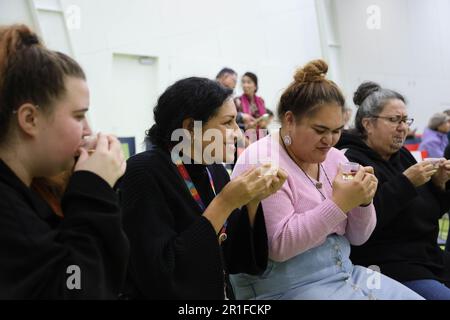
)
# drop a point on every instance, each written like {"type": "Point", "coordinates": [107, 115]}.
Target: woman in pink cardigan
{"type": "Point", "coordinates": [312, 220]}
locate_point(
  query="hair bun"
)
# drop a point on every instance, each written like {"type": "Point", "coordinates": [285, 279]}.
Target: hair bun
{"type": "Point", "coordinates": [30, 39]}
{"type": "Point", "coordinates": [365, 90]}
{"type": "Point", "coordinates": [315, 70]}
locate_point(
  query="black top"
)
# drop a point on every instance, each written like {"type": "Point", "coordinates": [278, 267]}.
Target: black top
{"type": "Point", "coordinates": [37, 248]}
{"type": "Point", "coordinates": [175, 252]}
{"type": "Point", "coordinates": [447, 152]}
{"type": "Point", "coordinates": [404, 242]}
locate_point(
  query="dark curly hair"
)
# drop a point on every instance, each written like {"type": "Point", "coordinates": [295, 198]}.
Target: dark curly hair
{"type": "Point", "coordinates": [196, 98]}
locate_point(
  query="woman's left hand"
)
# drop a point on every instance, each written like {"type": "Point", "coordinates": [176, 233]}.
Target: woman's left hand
{"type": "Point", "coordinates": [442, 176]}
{"type": "Point", "coordinates": [276, 184]}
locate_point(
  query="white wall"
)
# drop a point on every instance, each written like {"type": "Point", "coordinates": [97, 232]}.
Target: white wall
{"type": "Point", "coordinates": [13, 11]}
{"type": "Point", "coordinates": [410, 53]}
{"type": "Point", "coordinates": [186, 38]}
{"type": "Point", "coordinates": [196, 37]}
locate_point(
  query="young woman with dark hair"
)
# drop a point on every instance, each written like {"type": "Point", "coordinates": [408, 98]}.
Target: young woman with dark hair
{"type": "Point", "coordinates": [43, 101]}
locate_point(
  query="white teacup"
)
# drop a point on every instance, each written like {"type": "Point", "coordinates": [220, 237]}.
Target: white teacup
{"type": "Point", "coordinates": [90, 143]}
{"type": "Point", "coordinates": [268, 168]}
{"type": "Point", "coordinates": [349, 170]}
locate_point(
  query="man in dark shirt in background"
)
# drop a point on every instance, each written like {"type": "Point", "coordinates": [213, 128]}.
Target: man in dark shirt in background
{"type": "Point", "coordinates": [228, 78]}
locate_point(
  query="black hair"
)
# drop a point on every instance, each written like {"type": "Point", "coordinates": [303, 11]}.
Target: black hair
{"type": "Point", "coordinates": [254, 78]}
{"type": "Point", "coordinates": [196, 98]}
{"type": "Point", "coordinates": [224, 72]}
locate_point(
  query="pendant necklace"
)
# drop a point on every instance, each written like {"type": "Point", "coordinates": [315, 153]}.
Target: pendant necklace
{"type": "Point", "coordinates": [318, 185]}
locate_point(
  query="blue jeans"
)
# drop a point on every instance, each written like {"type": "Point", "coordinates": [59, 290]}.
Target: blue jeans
{"type": "Point", "coordinates": [321, 273]}
{"type": "Point", "coordinates": [429, 289]}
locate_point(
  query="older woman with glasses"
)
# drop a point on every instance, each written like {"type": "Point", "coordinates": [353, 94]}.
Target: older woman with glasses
{"type": "Point", "coordinates": [410, 199]}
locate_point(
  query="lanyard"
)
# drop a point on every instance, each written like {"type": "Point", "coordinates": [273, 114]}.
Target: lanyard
{"type": "Point", "coordinates": [193, 190]}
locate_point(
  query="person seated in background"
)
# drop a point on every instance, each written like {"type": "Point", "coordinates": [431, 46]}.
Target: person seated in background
{"type": "Point", "coordinates": [348, 113]}
{"type": "Point", "coordinates": [43, 102]}
{"type": "Point", "coordinates": [434, 138]}
{"type": "Point", "coordinates": [228, 78]}
{"type": "Point", "coordinates": [315, 216]}
{"type": "Point", "coordinates": [187, 223]}
{"type": "Point", "coordinates": [447, 156]}
{"type": "Point", "coordinates": [265, 121]}
{"type": "Point", "coordinates": [447, 112]}
{"type": "Point", "coordinates": [410, 199]}
{"type": "Point", "coordinates": [249, 103]}
{"type": "Point", "coordinates": [411, 136]}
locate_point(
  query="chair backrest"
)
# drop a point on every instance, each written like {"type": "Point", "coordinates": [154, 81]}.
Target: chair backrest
{"type": "Point", "coordinates": [129, 146]}
{"type": "Point", "coordinates": [419, 155]}
{"type": "Point", "coordinates": [412, 146]}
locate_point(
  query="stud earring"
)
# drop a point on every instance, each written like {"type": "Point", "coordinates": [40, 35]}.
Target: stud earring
{"type": "Point", "coordinates": [287, 140]}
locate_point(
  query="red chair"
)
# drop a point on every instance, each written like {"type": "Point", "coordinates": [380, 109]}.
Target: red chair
{"type": "Point", "coordinates": [412, 147]}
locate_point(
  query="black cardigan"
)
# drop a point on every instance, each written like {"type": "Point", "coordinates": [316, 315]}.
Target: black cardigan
{"type": "Point", "coordinates": [37, 247]}
{"type": "Point", "coordinates": [404, 242]}
{"type": "Point", "coordinates": [175, 253]}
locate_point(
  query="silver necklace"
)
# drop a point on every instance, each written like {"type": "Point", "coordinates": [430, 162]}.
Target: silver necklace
{"type": "Point", "coordinates": [318, 185]}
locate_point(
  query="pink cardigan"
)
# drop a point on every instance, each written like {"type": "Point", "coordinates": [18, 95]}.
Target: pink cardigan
{"type": "Point", "coordinates": [297, 217]}
{"type": "Point", "coordinates": [260, 104]}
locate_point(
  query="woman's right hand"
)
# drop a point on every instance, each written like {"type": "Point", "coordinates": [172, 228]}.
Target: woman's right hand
{"type": "Point", "coordinates": [248, 189]}
{"type": "Point", "coordinates": [420, 173]}
{"type": "Point", "coordinates": [107, 160]}
{"type": "Point", "coordinates": [349, 194]}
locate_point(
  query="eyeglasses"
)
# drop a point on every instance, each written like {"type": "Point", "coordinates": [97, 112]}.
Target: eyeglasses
{"type": "Point", "coordinates": [396, 120]}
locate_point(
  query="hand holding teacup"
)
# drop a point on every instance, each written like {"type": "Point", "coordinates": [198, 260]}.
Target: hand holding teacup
{"type": "Point", "coordinates": [422, 172]}
{"type": "Point", "coordinates": [442, 174]}
{"type": "Point", "coordinates": [354, 186]}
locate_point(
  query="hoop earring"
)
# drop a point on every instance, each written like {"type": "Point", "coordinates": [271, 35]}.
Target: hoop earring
{"type": "Point", "coordinates": [287, 140]}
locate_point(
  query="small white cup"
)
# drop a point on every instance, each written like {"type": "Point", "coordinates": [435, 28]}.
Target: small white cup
{"type": "Point", "coordinates": [349, 170]}
{"type": "Point", "coordinates": [268, 168]}
{"type": "Point", "coordinates": [90, 143]}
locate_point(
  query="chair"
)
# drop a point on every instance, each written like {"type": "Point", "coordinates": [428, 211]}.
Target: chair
{"type": "Point", "coordinates": [414, 149]}
{"type": "Point", "coordinates": [128, 146]}
{"type": "Point", "coordinates": [443, 231]}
